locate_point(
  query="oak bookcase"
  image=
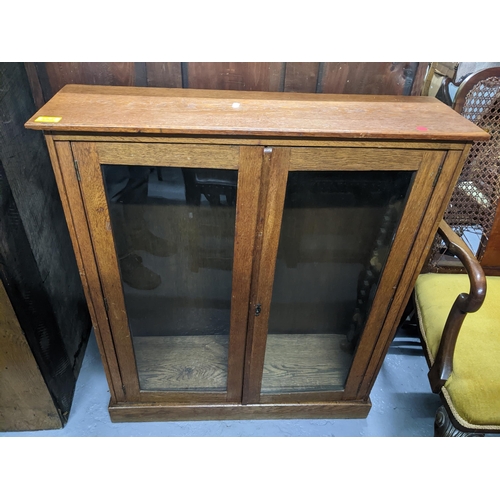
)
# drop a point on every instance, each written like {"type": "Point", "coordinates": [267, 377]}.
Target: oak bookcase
{"type": "Point", "coordinates": [248, 254]}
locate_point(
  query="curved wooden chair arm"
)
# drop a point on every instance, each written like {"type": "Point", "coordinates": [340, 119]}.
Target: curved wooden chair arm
{"type": "Point", "coordinates": [464, 303]}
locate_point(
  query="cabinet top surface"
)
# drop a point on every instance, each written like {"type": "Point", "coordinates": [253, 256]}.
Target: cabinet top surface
{"type": "Point", "coordinates": [147, 110]}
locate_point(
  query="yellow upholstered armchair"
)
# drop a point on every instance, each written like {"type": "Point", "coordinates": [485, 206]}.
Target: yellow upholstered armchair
{"type": "Point", "coordinates": [462, 349]}
{"type": "Point", "coordinates": [459, 314]}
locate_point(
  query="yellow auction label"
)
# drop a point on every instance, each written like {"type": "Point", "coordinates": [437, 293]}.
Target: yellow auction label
{"type": "Point", "coordinates": [49, 119]}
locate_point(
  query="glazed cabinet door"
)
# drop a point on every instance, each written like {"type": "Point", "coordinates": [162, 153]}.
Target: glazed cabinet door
{"type": "Point", "coordinates": [172, 228]}
{"type": "Point", "coordinates": [337, 228]}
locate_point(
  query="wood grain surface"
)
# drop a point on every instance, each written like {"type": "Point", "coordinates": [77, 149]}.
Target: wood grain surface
{"type": "Point", "coordinates": [382, 78]}
{"type": "Point", "coordinates": [74, 210]}
{"type": "Point", "coordinates": [304, 362]}
{"type": "Point", "coordinates": [187, 111]}
{"type": "Point", "coordinates": [249, 179]}
{"type": "Point", "coordinates": [164, 74]}
{"type": "Point", "coordinates": [234, 75]}
{"type": "Point", "coordinates": [172, 412]}
{"type": "Point", "coordinates": [169, 155]}
{"type": "Point", "coordinates": [110, 287]}
{"type": "Point", "coordinates": [28, 171]}
{"type": "Point", "coordinates": [301, 77]}
{"type": "Point", "coordinates": [446, 181]}
{"type": "Point", "coordinates": [314, 142]}
{"type": "Point", "coordinates": [283, 364]}
{"type": "Point", "coordinates": [182, 363]}
{"type": "Point", "coordinates": [348, 77]}
{"type": "Point", "coordinates": [402, 248]}
{"type": "Point", "coordinates": [302, 158]}
{"type": "Point", "coordinates": [25, 401]}
{"type": "Point", "coordinates": [53, 76]}
{"type": "Point", "coordinates": [418, 83]}
{"type": "Point", "coordinates": [272, 196]}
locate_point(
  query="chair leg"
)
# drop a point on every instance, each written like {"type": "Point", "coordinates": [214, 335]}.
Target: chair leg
{"type": "Point", "coordinates": [443, 426]}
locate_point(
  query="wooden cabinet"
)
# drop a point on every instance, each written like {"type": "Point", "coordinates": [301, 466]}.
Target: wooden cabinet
{"type": "Point", "coordinates": [248, 255]}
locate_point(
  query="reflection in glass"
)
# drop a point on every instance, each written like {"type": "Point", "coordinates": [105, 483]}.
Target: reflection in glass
{"type": "Point", "coordinates": [336, 234]}
{"type": "Point", "coordinates": [174, 235]}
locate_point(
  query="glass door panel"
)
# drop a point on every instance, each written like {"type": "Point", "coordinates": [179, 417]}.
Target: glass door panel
{"type": "Point", "coordinates": [336, 233]}
{"type": "Point", "coordinates": [174, 230]}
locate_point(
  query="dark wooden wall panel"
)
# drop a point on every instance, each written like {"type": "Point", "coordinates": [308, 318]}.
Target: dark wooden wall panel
{"type": "Point", "coordinates": [164, 75]}
{"type": "Point", "coordinates": [36, 88]}
{"type": "Point", "coordinates": [301, 77]}
{"type": "Point", "coordinates": [329, 77]}
{"type": "Point", "coordinates": [29, 174]}
{"type": "Point", "coordinates": [419, 80]}
{"type": "Point", "coordinates": [235, 76]}
{"type": "Point", "coordinates": [367, 78]}
{"type": "Point", "coordinates": [53, 76]}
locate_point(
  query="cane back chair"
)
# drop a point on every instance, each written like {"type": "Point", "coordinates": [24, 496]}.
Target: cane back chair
{"type": "Point", "coordinates": [463, 349]}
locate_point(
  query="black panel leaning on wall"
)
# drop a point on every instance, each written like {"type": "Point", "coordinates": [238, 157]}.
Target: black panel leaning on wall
{"type": "Point", "coordinates": [21, 278]}
{"type": "Point", "coordinates": [29, 175]}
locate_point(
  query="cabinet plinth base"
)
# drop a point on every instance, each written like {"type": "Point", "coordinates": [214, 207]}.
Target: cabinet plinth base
{"type": "Point", "coordinates": [130, 412]}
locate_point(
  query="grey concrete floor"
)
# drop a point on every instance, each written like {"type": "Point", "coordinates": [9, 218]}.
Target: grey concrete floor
{"type": "Point", "coordinates": [402, 405]}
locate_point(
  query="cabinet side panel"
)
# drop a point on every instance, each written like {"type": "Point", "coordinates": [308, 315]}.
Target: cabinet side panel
{"type": "Point", "coordinates": [420, 249]}
{"type": "Point", "coordinates": [69, 189]}
{"type": "Point", "coordinates": [412, 217]}
{"type": "Point", "coordinates": [99, 224]}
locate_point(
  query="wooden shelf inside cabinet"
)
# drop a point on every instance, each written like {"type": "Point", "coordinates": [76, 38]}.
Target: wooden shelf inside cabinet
{"type": "Point", "coordinates": [248, 254]}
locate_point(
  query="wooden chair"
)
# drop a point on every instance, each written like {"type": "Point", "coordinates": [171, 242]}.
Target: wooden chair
{"type": "Point", "coordinates": [474, 203]}
{"type": "Point", "coordinates": [463, 349]}
{"type": "Point", "coordinates": [463, 352]}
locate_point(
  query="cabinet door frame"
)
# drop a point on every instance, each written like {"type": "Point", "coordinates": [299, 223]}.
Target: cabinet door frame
{"type": "Point", "coordinates": [89, 156]}
{"type": "Point", "coordinates": [253, 208]}
{"type": "Point", "coordinates": [278, 162]}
